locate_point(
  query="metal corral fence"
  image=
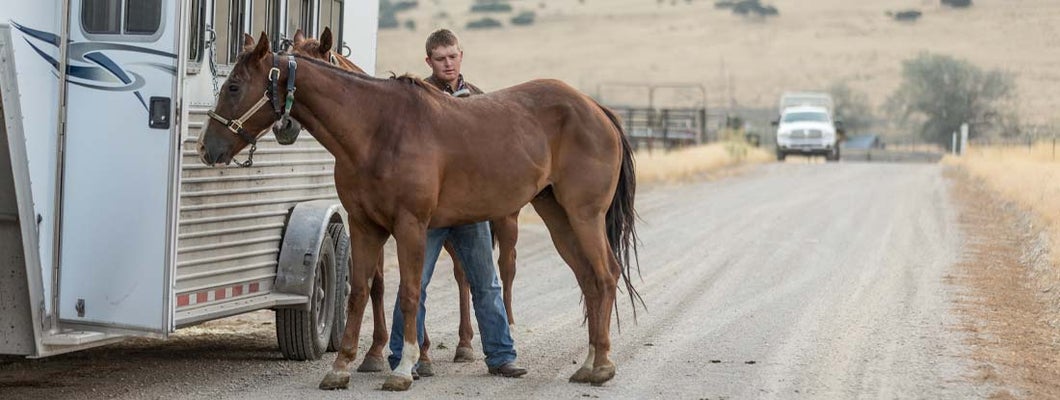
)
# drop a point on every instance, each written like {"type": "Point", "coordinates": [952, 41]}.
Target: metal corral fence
{"type": "Point", "coordinates": [665, 128]}
{"type": "Point", "coordinates": [659, 115]}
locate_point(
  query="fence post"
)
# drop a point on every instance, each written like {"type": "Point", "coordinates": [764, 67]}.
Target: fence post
{"type": "Point", "coordinates": [964, 138]}
{"type": "Point", "coordinates": [665, 120]}
{"type": "Point", "coordinates": [702, 126]}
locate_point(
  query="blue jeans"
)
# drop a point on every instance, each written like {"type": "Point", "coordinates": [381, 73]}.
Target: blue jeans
{"type": "Point", "coordinates": [474, 246]}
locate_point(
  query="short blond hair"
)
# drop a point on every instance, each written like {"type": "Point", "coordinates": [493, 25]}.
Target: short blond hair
{"type": "Point", "coordinates": [441, 38]}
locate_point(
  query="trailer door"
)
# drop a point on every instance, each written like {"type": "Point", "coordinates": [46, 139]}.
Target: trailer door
{"type": "Point", "coordinates": [119, 165]}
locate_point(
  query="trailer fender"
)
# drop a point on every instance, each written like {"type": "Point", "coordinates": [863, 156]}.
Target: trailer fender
{"type": "Point", "coordinates": [305, 231]}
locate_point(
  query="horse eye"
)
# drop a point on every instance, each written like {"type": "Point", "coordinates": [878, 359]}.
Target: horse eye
{"type": "Point", "coordinates": [233, 88]}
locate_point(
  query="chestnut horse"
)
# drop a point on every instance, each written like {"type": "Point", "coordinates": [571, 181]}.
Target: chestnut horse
{"type": "Point", "coordinates": [409, 157]}
{"type": "Point", "coordinates": [505, 232]}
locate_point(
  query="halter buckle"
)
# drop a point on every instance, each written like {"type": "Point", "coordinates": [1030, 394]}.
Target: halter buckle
{"type": "Point", "coordinates": [274, 74]}
{"type": "Point", "coordinates": [235, 126]}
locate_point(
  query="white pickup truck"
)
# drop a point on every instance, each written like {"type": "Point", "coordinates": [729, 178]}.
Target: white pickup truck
{"type": "Point", "coordinates": [807, 126]}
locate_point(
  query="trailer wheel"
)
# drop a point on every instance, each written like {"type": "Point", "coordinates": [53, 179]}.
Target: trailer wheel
{"type": "Point", "coordinates": [781, 155]}
{"type": "Point", "coordinates": [342, 287]}
{"type": "Point", "coordinates": [305, 334]}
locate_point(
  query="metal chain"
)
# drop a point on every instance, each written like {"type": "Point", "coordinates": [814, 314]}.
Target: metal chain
{"type": "Point", "coordinates": [211, 46]}
{"type": "Point", "coordinates": [250, 157]}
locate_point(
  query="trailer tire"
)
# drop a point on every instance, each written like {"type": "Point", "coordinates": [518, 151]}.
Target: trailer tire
{"type": "Point", "coordinates": [781, 155]}
{"type": "Point", "coordinates": [304, 334]}
{"type": "Point", "coordinates": [342, 287]}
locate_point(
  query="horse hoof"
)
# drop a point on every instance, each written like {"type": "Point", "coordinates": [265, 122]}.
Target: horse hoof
{"type": "Point", "coordinates": [372, 364]}
{"type": "Point", "coordinates": [602, 374]}
{"type": "Point", "coordinates": [464, 355]}
{"type": "Point", "coordinates": [425, 369]}
{"type": "Point", "coordinates": [397, 383]}
{"type": "Point", "coordinates": [335, 380]}
{"type": "Point", "coordinates": [581, 376]}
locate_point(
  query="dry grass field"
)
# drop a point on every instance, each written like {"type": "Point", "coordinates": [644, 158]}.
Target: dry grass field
{"type": "Point", "coordinates": [696, 162]}
{"type": "Point", "coordinates": [811, 44]}
{"type": "Point", "coordinates": [1013, 265]}
{"type": "Point", "coordinates": [688, 164]}
{"type": "Point", "coordinates": [1026, 175]}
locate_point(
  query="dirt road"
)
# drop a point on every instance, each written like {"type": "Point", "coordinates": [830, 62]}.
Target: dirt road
{"type": "Point", "coordinates": [790, 281]}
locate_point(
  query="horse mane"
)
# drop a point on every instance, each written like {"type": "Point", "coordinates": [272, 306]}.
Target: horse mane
{"type": "Point", "coordinates": [413, 80]}
{"type": "Point", "coordinates": [407, 80]}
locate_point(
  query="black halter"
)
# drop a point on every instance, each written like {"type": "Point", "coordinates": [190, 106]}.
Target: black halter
{"type": "Point", "coordinates": [282, 108]}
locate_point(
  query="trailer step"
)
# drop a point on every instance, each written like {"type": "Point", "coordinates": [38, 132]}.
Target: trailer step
{"type": "Point", "coordinates": [76, 338]}
{"type": "Point", "coordinates": [235, 307]}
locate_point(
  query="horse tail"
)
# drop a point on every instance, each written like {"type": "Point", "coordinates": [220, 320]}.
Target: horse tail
{"type": "Point", "coordinates": [621, 233]}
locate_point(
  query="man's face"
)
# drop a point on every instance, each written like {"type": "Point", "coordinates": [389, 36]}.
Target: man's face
{"type": "Point", "coordinates": [445, 62]}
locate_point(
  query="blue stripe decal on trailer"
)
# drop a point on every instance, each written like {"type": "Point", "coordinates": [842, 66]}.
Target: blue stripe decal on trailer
{"type": "Point", "coordinates": [100, 71]}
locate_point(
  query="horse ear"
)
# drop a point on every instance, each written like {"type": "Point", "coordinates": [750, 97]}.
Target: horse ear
{"type": "Point", "coordinates": [299, 36]}
{"type": "Point", "coordinates": [326, 40]}
{"type": "Point", "coordinates": [248, 42]}
{"type": "Point", "coordinates": [262, 48]}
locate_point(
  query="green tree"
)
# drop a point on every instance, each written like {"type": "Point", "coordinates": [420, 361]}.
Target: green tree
{"type": "Point", "coordinates": [852, 107]}
{"type": "Point", "coordinates": [939, 93]}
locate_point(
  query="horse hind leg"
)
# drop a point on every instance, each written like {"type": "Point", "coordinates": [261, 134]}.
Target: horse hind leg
{"type": "Point", "coordinates": [567, 245]}
{"type": "Point", "coordinates": [586, 214]}
{"type": "Point", "coordinates": [603, 267]}
{"type": "Point", "coordinates": [506, 230]}
{"type": "Point", "coordinates": [373, 359]}
{"type": "Point", "coordinates": [464, 352]}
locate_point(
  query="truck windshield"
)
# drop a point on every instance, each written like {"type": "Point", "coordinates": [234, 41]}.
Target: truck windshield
{"type": "Point", "coordinates": [806, 116]}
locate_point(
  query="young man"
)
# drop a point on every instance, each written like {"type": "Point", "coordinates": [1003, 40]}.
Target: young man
{"type": "Point", "coordinates": [473, 242]}
{"type": "Point", "coordinates": [444, 56]}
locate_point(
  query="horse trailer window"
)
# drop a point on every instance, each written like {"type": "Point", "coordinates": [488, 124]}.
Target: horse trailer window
{"type": "Point", "coordinates": [101, 17]}
{"type": "Point", "coordinates": [117, 17]}
{"type": "Point", "coordinates": [267, 19]}
{"type": "Point", "coordinates": [305, 18]}
{"type": "Point", "coordinates": [237, 25]}
{"type": "Point", "coordinates": [331, 16]}
{"type": "Point", "coordinates": [198, 30]}
{"type": "Point", "coordinates": [142, 17]}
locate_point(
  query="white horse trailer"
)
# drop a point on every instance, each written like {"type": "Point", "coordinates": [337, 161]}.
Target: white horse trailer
{"type": "Point", "coordinates": [109, 225]}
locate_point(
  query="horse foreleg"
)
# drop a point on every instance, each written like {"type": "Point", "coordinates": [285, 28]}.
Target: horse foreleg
{"type": "Point", "coordinates": [411, 242]}
{"type": "Point", "coordinates": [424, 367]}
{"type": "Point", "coordinates": [367, 244]}
{"type": "Point", "coordinates": [374, 360]}
{"type": "Point", "coordinates": [506, 231]}
{"type": "Point", "coordinates": [464, 352]}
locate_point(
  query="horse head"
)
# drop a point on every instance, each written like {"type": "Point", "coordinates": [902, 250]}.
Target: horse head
{"type": "Point", "coordinates": [310, 47]}
{"type": "Point", "coordinates": [321, 49]}
{"type": "Point", "coordinates": [249, 103]}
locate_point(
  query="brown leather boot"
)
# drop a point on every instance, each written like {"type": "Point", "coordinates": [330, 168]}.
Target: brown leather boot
{"type": "Point", "coordinates": [508, 370]}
